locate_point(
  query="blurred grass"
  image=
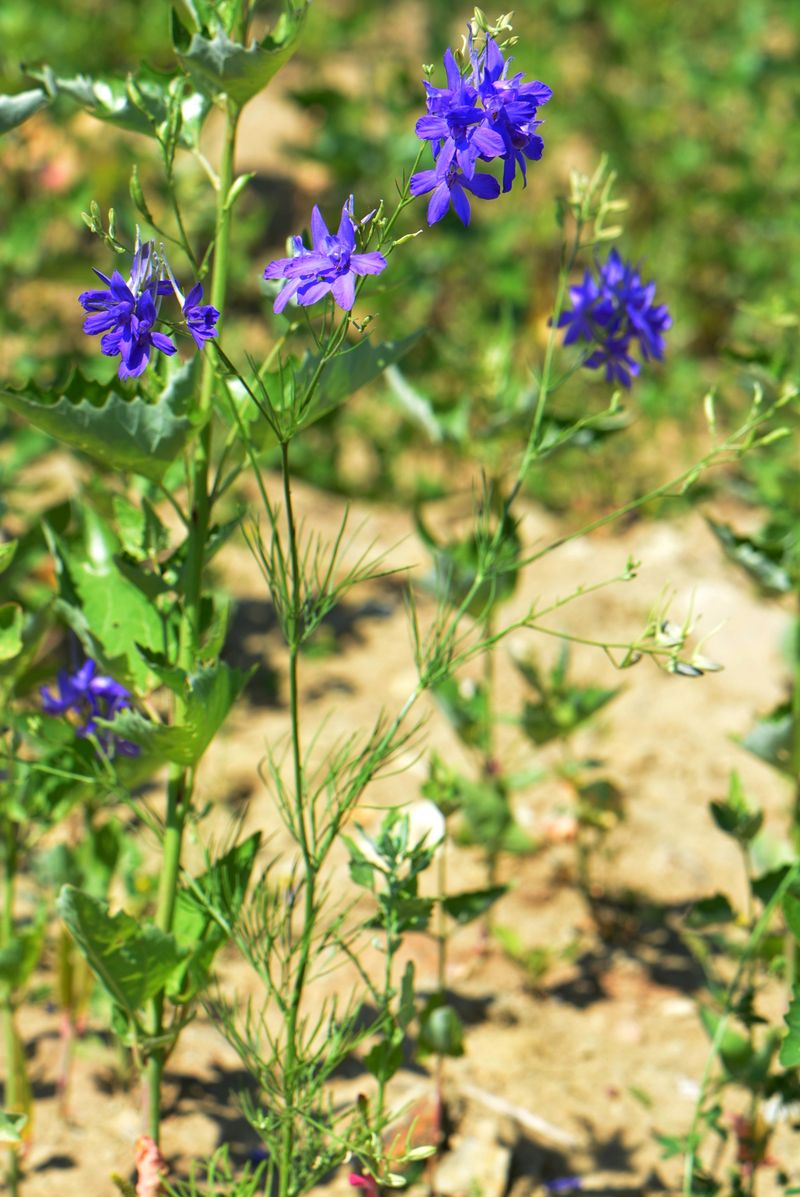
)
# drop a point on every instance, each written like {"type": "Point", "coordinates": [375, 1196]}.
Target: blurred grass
{"type": "Point", "coordinates": [696, 106]}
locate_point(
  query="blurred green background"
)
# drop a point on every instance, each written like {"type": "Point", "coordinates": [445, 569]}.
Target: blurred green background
{"type": "Point", "coordinates": [695, 104]}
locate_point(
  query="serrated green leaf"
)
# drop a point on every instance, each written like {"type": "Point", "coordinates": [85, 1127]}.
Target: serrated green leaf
{"type": "Point", "coordinates": [16, 109]}
{"type": "Point", "coordinates": [220, 66]}
{"type": "Point", "coordinates": [210, 694]}
{"type": "Point", "coordinates": [10, 631]}
{"type": "Point", "coordinates": [121, 433]}
{"type": "Point", "coordinates": [132, 962]}
{"type": "Point", "coordinates": [139, 103]}
{"type": "Point", "coordinates": [471, 904]}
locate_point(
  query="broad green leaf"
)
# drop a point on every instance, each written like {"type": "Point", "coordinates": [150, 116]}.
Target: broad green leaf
{"type": "Point", "coordinates": [7, 550]}
{"type": "Point", "coordinates": [16, 109]}
{"type": "Point", "coordinates": [708, 911]}
{"type": "Point", "coordinates": [139, 103]}
{"type": "Point", "coordinates": [762, 560]}
{"type": "Point", "coordinates": [385, 1058]}
{"type": "Point", "coordinates": [735, 1049]}
{"type": "Point", "coordinates": [10, 631]}
{"type": "Point", "coordinates": [220, 66]}
{"type": "Point", "coordinates": [210, 693]}
{"type": "Point", "coordinates": [121, 433]}
{"type": "Point", "coordinates": [790, 1050]}
{"type": "Point", "coordinates": [771, 739]}
{"type": "Point", "coordinates": [472, 904]}
{"type": "Point", "coordinates": [105, 606]}
{"type": "Point", "coordinates": [222, 888]}
{"type": "Point", "coordinates": [11, 1126]}
{"type": "Point", "coordinates": [346, 373]}
{"type": "Point", "coordinates": [133, 962]}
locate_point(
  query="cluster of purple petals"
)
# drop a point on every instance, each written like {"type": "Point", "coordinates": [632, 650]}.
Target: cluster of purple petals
{"type": "Point", "coordinates": [125, 312]}
{"type": "Point", "coordinates": [331, 266]}
{"type": "Point", "coordinates": [484, 115]}
{"type": "Point", "coordinates": [611, 310]}
{"type": "Point", "coordinates": [89, 696]}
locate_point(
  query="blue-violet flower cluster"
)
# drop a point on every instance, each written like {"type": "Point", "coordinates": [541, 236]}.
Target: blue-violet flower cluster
{"type": "Point", "coordinates": [331, 265]}
{"type": "Point", "coordinates": [126, 312]}
{"type": "Point", "coordinates": [483, 115]}
{"type": "Point", "coordinates": [610, 312]}
{"type": "Point", "coordinates": [88, 695]}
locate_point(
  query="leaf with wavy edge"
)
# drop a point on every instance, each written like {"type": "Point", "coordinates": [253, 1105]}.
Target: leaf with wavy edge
{"type": "Point", "coordinates": [122, 433]}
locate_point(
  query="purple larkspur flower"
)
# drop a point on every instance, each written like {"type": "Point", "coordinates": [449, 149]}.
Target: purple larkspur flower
{"type": "Point", "coordinates": [201, 318]}
{"type": "Point", "coordinates": [330, 266]}
{"type": "Point", "coordinates": [449, 185]}
{"type": "Point", "coordinates": [125, 312]}
{"type": "Point", "coordinates": [510, 106]}
{"type": "Point", "coordinates": [480, 116]}
{"type": "Point", "coordinates": [611, 309]}
{"type": "Point", "coordinates": [89, 696]}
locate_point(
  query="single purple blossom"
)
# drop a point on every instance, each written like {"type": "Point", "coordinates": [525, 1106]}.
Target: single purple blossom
{"type": "Point", "coordinates": [201, 318]}
{"type": "Point", "coordinates": [90, 696]}
{"type": "Point", "coordinates": [330, 266]}
{"type": "Point", "coordinates": [610, 310]}
{"type": "Point", "coordinates": [449, 185]}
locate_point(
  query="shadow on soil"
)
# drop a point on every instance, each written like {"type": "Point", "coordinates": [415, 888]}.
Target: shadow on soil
{"type": "Point", "coordinates": [254, 621]}
{"type": "Point", "coordinates": [644, 932]}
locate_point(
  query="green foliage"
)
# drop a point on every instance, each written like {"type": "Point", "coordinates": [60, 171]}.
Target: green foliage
{"type": "Point", "coordinates": [16, 109]}
{"type": "Point", "coordinates": [440, 1029]}
{"type": "Point", "coordinates": [10, 631]}
{"type": "Point", "coordinates": [206, 697]}
{"type": "Point", "coordinates": [735, 817]}
{"type": "Point", "coordinates": [19, 958]}
{"type": "Point", "coordinates": [120, 432]}
{"type": "Point", "coordinates": [132, 962]}
{"type": "Point", "coordinates": [11, 1126]}
{"type": "Point", "coordinates": [220, 66]}
{"type": "Point", "coordinates": [561, 706]}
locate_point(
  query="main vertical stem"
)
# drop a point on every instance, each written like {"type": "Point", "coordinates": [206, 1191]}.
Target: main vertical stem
{"type": "Point", "coordinates": [179, 790]}
{"type": "Point", "coordinates": [12, 1096]}
{"type": "Point", "coordinates": [295, 632]}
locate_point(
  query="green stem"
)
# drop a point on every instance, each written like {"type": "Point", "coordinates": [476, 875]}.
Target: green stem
{"type": "Point", "coordinates": [753, 940]}
{"type": "Point", "coordinates": [295, 633]}
{"type": "Point", "coordinates": [12, 1098]}
{"type": "Point", "coordinates": [181, 782]}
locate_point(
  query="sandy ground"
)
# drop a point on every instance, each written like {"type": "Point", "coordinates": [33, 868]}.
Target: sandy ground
{"type": "Point", "coordinates": [606, 1047]}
